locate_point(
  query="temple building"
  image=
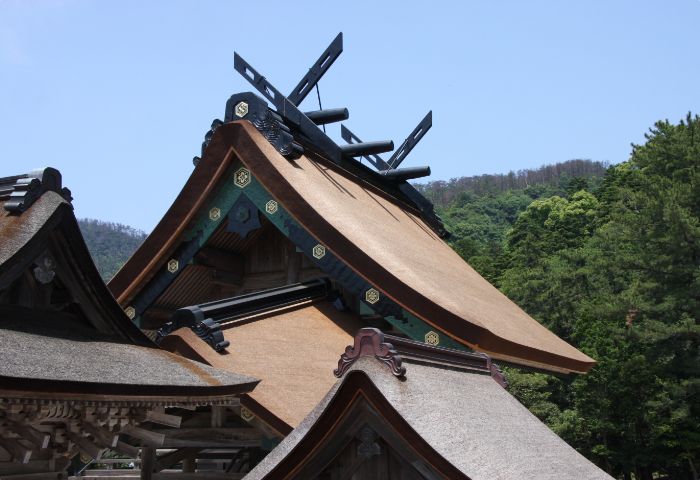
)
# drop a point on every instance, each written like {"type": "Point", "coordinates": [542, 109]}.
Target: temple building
{"type": "Point", "coordinates": [77, 378]}
{"type": "Point", "coordinates": [283, 252]}
{"type": "Point", "coordinates": [407, 410]}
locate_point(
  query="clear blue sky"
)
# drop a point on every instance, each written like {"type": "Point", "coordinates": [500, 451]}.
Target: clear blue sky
{"type": "Point", "coordinates": [118, 94]}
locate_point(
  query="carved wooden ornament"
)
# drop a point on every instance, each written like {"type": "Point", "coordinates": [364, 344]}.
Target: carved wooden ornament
{"type": "Point", "coordinates": [369, 342]}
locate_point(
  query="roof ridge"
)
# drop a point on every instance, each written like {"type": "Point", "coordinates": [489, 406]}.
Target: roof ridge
{"type": "Point", "coordinates": [393, 350]}
{"type": "Point", "coordinates": [21, 191]}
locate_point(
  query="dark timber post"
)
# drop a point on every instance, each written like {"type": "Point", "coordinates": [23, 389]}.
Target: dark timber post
{"type": "Point", "coordinates": [148, 459]}
{"type": "Point", "coordinates": [293, 264]}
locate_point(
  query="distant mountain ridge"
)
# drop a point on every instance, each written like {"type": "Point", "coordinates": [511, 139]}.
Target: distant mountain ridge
{"type": "Point", "coordinates": [442, 192]}
{"type": "Point", "coordinates": [110, 244]}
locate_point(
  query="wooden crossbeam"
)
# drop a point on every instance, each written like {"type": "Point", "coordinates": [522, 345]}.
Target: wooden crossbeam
{"type": "Point", "coordinates": [172, 458]}
{"type": "Point", "coordinates": [103, 436]}
{"type": "Point", "coordinates": [210, 437]}
{"type": "Point", "coordinates": [126, 449]}
{"type": "Point", "coordinates": [225, 279]}
{"type": "Point", "coordinates": [187, 407]}
{"type": "Point", "coordinates": [221, 260]}
{"type": "Point", "coordinates": [163, 418]}
{"type": "Point", "coordinates": [86, 446]}
{"type": "Point", "coordinates": [13, 447]}
{"type": "Point", "coordinates": [35, 476]}
{"type": "Point", "coordinates": [39, 439]}
{"type": "Point", "coordinates": [208, 475]}
{"type": "Point", "coordinates": [148, 437]}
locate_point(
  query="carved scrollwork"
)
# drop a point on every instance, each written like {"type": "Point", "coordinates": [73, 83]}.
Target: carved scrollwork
{"type": "Point", "coordinates": [369, 342]}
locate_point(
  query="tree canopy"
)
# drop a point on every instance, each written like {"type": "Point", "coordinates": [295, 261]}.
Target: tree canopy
{"type": "Point", "coordinates": [615, 270]}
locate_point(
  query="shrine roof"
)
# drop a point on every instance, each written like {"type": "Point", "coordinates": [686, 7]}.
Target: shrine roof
{"type": "Point", "coordinates": [38, 224]}
{"type": "Point", "coordinates": [61, 330]}
{"type": "Point", "coordinates": [456, 422]}
{"type": "Point", "coordinates": [292, 350]}
{"type": "Point", "coordinates": [383, 240]}
{"type": "Point", "coordinates": [46, 351]}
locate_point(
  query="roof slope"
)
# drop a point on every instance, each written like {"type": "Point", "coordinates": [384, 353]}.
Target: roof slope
{"type": "Point", "coordinates": [44, 351]}
{"type": "Point", "coordinates": [48, 226]}
{"type": "Point", "coordinates": [384, 241]}
{"type": "Point", "coordinates": [458, 422]}
{"type": "Point", "coordinates": [61, 329]}
{"type": "Point", "coordinates": [290, 351]}
{"type": "Point", "coordinates": [388, 245]}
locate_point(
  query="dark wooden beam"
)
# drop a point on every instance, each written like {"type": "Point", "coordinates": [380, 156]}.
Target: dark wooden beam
{"type": "Point", "coordinates": [101, 435]}
{"type": "Point", "coordinates": [294, 261]}
{"type": "Point", "coordinates": [172, 458]}
{"type": "Point", "coordinates": [210, 437]}
{"type": "Point", "coordinates": [19, 453]}
{"type": "Point", "coordinates": [86, 446]}
{"type": "Point", "coordinates": [224, 278]}
{"type": "Point", "coordinates": [218, 416]}
{"type": "Point", "coordinates": [126, 449]}
{"type": "Point", "coordinates": [148, 460]}
{"type": "Point", "coordinates": [163, 418]}
{"type": "Point", "coordinates": [220, 260]}
{"type": "Point", "coordinates": [39, 439]}
{"type": "Point", "coordinates": [36, 476]}
{"type": "Point", "coordinates": [204, 475]}
{"type": "Point", "coordinates": [148, 437]}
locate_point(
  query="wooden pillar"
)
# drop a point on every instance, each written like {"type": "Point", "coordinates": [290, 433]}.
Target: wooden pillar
{"type": "Point", "coordinates": [293, 264]}
{"type": "Point", "coordinates": [188, 465]}
{"type": "Point", "coordinates": [148, 460]}
{"type": "Point", "coordinates": [218, 416]}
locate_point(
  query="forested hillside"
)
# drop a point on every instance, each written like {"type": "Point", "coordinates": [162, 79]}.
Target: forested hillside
{"type": "Point", "coordinates": [111, 244]}
{"type": "Point", "coordinates": [613, 267]}
{"type": "Point", "coordinates": [606, 257]}
{"type": "Point", "coordinates": [443, 193]}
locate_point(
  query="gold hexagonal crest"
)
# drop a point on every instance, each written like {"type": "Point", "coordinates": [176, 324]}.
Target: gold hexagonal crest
{"type": "Point", "coordinates": [173, 265]}
{"type": "Point", "coordinates": [432, 338]}
{"type": "Point", "coordinates": [242, 177]}
{"type": "Point", "coordinates": [319, 251]}
{"type": "Point", "coordinates": [271, 207]}
{"type": "Point", "coordinates": [372, 296]}
{"type": "Point", "coordinates": [130, 312]}
{"type": "Point", "coordinates": [214, 214]}
{"type": "Point", "coordinates": [246, 414]}
{"type": "Point", "coordinates": [241, 109]}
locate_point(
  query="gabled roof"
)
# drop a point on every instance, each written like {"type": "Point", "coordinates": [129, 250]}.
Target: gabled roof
{"type": "Point", "coordinates": [47, 352]}
{"type": "Point", "coordinates": [380, 241]}
{"type": "Point", "coordinates": [386, 243]}
{"type": "Point", "coordinates": [290, 349]}
{"type": "Point", "coordinates": [442, 415]}
{"type": "Point", "coordinates": [44, 234]}
{"type": "Point", "coordinates": [62, 331]}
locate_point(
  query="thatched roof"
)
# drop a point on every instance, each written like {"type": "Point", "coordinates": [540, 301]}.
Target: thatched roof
{"type": "Point", "coordinates": [381, 240]}
{"type": "Point", "coordinates": [455, 424]}
{"type": "Point", "coordinates": [61, 330]}
{"type": "Point", "coordinates": [46, 351]}
{"type": "Point", "coordinates": [291, 350]}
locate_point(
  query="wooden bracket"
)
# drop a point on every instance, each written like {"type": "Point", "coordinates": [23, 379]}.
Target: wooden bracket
{"type": "Point", "coordinates": [13, 447]}
{"type": "Point", "coordinates": [85, 445]}
{"type": "Point", "coordinates": [40, 439]}
{"type": "Point", "coordinates": [101, 435]}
